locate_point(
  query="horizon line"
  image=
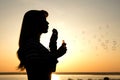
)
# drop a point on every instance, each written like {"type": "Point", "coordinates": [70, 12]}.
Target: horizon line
{"type": "Point", "coordinates": [66, 73]}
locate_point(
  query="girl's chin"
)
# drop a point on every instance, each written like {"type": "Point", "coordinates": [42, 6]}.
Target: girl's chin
{"type": "Point", "coordinates": [45, 31]}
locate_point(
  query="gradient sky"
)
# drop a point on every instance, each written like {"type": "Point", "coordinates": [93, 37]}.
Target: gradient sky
{"type": "Point", "coordinates": [91, 29]}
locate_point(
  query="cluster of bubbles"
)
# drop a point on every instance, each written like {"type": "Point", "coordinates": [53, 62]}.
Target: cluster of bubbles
{"type": "Point", "coordinates": [101, 38]}
{"type": "Point", "coordinates": [106, 45]}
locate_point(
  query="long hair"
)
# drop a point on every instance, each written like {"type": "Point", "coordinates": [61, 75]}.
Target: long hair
{"type": "Point", "coordinates": [30, 29]}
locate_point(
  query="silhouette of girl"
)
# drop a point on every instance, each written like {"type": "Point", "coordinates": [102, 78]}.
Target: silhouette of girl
{"type": "Point", "coordinates": [38, 61]}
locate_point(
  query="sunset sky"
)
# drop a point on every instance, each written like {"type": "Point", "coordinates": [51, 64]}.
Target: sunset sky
{"type": "Point", "coordinates": [91, 29]}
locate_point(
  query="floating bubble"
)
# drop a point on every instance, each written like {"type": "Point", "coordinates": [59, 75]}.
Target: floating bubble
{"type": "Point", "coordinates": [102, 36]}
{"type": "Point", "coordinates": [102, 44]}
{"type": "Point", "coordinates": [107, 26]}
{"type": "Point", "coordinates": [99, 40]}
{"type": "Point", "coordinates": [113, 47]}
{"type": "Point", "coordinates": [96, 47]}
{"type": "Point", "coordinates": [83, 32]}
{"type": "Point", "coordinates": [94, 36]}
{"type": "Point", "coordinates": [100, 28]}
{"type": "Point", "coordinates": [114, 42]}
{"type": "Point", "coordinates": [106, 41]}
{"type": "Point", "coordinates": [105, 46]}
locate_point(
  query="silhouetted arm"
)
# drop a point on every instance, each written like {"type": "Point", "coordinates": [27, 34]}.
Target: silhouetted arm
{"type": "Point", "coordinates": [62, 50]}
{"type": "Point", "coordinates": [53, 41]}
{"type": "Point", "coordinates": [53, 45]}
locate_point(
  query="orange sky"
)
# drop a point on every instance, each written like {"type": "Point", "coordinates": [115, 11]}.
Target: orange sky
{"type": "Point", "coordinates": [89, 27]}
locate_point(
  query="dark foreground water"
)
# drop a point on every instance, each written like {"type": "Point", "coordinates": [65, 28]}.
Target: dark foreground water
{"type": "Point", "coordinates": [63, 77]}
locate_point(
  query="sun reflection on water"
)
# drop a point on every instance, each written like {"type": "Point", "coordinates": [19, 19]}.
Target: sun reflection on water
{"type": "Point", "coordinates": [55, 77]}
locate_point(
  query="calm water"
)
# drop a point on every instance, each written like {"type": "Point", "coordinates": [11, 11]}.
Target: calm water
{"type": "Point", "coordinates": [63, 77]}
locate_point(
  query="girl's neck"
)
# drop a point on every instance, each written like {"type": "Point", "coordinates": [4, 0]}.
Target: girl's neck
{"type": "Point", "coordinates": [36, 38]}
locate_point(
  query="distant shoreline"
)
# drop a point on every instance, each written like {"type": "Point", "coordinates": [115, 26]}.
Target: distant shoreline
{"type": "Point", "coordinates": [12, 73]}
{"type": "Point", "coordinates": [66, 73]}
{"type": "Point", "coordinates": [88, 73]}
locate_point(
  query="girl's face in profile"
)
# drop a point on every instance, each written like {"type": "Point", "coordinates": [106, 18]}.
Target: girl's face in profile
{"type": "Point", "coordinates": [44, 26]}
